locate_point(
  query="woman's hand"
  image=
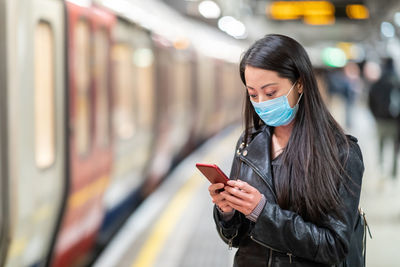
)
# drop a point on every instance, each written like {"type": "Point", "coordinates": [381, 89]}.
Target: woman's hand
{"type": "Point", "coordinates": [218, 198]}
{"type": "Point", "coordinates": [241, 196]}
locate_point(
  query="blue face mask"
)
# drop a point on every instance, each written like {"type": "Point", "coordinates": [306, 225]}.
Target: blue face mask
{"type": "Point", "coordinates": [277, 111]}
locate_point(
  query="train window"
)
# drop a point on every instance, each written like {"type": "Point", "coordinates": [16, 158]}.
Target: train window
{"type": "Point", "coordinates": [82, 82]}
{"type": "Point", "coordinates": [101, 72]}
{"type": "Point", "coordinates": [144, 64]}
{"type": "Point", "coordinates": [124, 91]}
{"type": "Point", "coordinates": [44, 108]}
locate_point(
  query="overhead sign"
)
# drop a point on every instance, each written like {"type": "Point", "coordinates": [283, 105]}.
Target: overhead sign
{"type": "Point", "coordinates": [314, 12]}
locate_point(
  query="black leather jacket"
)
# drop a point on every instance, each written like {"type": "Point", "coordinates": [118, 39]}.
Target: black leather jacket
{"type": "Point", "coordinates": [281, 237]}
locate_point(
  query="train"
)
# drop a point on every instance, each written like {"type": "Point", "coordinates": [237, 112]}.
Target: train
{"type": "Point", "coordinates": [99, 100]}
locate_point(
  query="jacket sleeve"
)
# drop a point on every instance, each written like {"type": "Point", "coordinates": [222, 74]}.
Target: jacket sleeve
{"type": "Point", "coordinates": [232, 231]}
{"type": "Point", "coordinates": [286, 231]}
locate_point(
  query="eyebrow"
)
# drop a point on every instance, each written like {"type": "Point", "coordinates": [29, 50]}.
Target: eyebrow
{"type": "Point", "coordinates": [262, 87]}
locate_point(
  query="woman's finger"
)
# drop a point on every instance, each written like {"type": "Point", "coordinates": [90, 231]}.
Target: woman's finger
{"type": "Point", "coordinates": [217, 198]}
{"type": "Point", "coordinates": [225, 208]}
{"type": "Point", "coordinates": [233, 199]}
{"type": "Point", "coordinates": [223, 204]}
{"type": "Point", "coordinates": [241, 185]}
{"type": "Point", "coordinates": [237, 193]}
{"type": "Point", "coordinates": [213, 188]}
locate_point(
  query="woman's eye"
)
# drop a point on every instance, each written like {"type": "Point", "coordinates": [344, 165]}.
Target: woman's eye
{"type": "Point", "coordinates": [270, 94]}
{"type": "Point", "coordinates": [253, 96]}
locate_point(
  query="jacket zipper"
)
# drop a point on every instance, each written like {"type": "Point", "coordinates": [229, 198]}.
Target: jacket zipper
{"type": "Point", "coordinates": [270, 258]}
{"type": "Point", "coordinates": [290, 255]}
{"type": "Point", "coordinates": [230, 240]}
{"type": "Point", "coordinates": [366, 227]}
{"type": "Point", "coordinates": [265, 245]}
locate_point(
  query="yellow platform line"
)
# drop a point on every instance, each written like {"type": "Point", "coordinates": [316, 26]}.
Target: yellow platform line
{"type": "Point", "coordinates": [168, 219]}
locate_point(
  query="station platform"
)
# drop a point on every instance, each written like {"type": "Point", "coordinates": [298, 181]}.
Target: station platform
{"type": "Point", "coordinates": [174, 226]}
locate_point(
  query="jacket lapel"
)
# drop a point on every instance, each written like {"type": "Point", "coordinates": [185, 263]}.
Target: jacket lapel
{"type": "Point", "coordinates": [257, 155]}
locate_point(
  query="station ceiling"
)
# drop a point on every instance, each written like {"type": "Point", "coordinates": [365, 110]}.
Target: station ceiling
{"type": "Point", "coordinates": [258, 22]}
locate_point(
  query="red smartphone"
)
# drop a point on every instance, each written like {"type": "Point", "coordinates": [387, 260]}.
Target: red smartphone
{"type": "Point", "coordinates": [213, 173]}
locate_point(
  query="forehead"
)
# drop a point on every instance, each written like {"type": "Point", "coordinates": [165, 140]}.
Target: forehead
{"type": "Point", "coordinates": [256, 75]}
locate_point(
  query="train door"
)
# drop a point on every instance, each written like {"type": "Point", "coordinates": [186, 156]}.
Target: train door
{"type": "Point", "coordinates": [173, 107]}
{"type": "Point", "coordinates": [143, 62]}
{"type": "Point", "coordinates": [36, 127]}
{"type": "Point", "coordinates": [90, 132]}
{"type": "Point", "coordinates": [103, 24]}
{"type": "Point", "coordinates": [161, 153]}
{"type": "Point", "coordinates": [124, 127]}
{"type": "Point", "coordinates": [103, 149]}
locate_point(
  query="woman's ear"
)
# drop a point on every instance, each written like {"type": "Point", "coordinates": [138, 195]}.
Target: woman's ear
{"type": "Point", "coordinates": [299, 87]}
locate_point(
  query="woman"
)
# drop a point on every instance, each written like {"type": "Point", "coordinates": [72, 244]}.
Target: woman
{"type": "Point", "coordinates": [296, 177]}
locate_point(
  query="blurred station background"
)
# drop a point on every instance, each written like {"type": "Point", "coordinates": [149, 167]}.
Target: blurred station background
{"type": "Point", "coordinates": [106, 106]}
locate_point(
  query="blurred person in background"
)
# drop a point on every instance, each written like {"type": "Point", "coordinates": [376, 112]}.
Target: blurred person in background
{"type": "Point", "coordinates": [343, 82]}
{"type": "Point", "coordinates": [384, 102]}
{"type": "Point", "coordinates": [295, 181]}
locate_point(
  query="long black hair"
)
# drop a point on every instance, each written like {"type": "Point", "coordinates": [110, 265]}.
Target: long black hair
{"type": "Point", "coordinates": [312, 166]}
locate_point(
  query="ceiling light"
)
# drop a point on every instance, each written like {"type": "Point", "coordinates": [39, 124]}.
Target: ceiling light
{"type": "Point", "coordinates": [387, 29]}
{"type": "Point", "coordinates": [232, 26]}
{"type": "Point", "coordinates": [334, 57]}
{"type": "Point", "coordinates": [357, 11]}
{"type": "Point", "coordinates": [209, 9]}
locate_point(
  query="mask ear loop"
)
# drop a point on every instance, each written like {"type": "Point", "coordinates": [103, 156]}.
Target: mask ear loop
{"type": "Point", "coordinates": [291, 90]}
{"type": "Point", "coordinates": [298, 101]}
